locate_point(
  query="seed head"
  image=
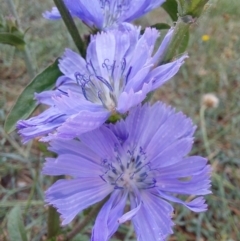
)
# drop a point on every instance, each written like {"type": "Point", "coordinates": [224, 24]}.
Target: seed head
{"type": "Point", "coordinates": [210, 100]}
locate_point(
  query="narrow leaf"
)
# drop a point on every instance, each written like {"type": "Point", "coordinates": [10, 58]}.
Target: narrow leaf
{"type": "Point", "coordinates": [15, 226]}
{"type": "Point", "coordinates": [25, 103]}
{"type": "Point", "coordinates": [171, 7]}
{"type": "Point", "coordinates": [160, 26]}
{"type": "Point", "coordinates": [12, 39]}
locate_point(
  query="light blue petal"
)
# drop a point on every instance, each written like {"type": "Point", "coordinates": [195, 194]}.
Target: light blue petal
{"type": "Point", "coordinates": [72, 165]}
{"type": "Point", "coordinates": [163, 73]}
{"type": "Point", "coordinates": [131, 99]}
{"type": "Point", "coordinates": [160, 54]}
{"type": "Point", "coordinates": [52, 15]}
{"type": "Point", "coordinates": [136, 82]}
{"type": "Point", "coordinates": [139, 123]}
{"type": "Point", "coordinates": [105, 50]}
{"type": "Point", "coordinates": [120, 130]}
{"type": "Point", "coordinates": [153, 221]}
{"type": "Point", "coordinates": [88, 11]}
{"type": "Point", "coordinates": [74, 147]}
{"type": "Point", "coordinates": [45, 97]}
{"type": "Point", "coordinates": [194, 184]}
{"type": "Point", "coordinates": [172, 128]}
{"type": "Point", "coordinates": [186, 167]}
{"type": "Point", "coordinates": [129, 215]}
{"type": "Point", "coordinates": [196, 205]}
{"type": "Point", "coordinates": [106, 223]}
{"type": "Point", "coordinates": [170, 155]}
{"type": "Point", "coordinates": [70, 197]}
{"type": "Point", "coordinates": [73, 103]}
{"type": "Point", "coordinates": [63, 80]}
{"type": "Point", "coordinates": [82, 122]}
{"type": "Point", "coordinates": [136, 8]}
{"type": "Point", "coordinates": [102, 141]}
{"type": "Point", "coordinates": [72, 63]}
{"type": "Point", "coordinates": [40, 125]}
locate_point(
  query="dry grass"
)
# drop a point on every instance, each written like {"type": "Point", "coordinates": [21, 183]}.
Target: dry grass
{"type": "Point", "coordinates": [213, 67]}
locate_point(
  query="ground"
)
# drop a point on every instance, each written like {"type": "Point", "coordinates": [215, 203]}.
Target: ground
{"type": "Point", "coordinates": [213, 67]}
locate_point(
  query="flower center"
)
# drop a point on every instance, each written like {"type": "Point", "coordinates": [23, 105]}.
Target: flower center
{"type": "Point", "coordinates": [129, 172]}
{"type": "Point", "coordinates": [105, 84]}
{"type": "Point", "coordinates": [113, 10]}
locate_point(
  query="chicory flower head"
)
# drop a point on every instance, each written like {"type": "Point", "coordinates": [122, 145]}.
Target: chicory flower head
{"type": "Point", "coordinates": [119, 71]}
{"type": "Point", "coordinates": [142, 158]}
{"type": "Point", "coordinates": [106, 14]}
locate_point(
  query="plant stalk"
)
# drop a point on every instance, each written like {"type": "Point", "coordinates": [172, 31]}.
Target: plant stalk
{"type": "Point", "coordinates": [53, 223]}
{"type": "Point", "coordinates": [204, 131]}
{"type": "Point", "coordinates": [26, 54]}
{"type": "Point", "coordinates": [68, 20]}
{"type": "Point", "coordinates": [181, 29]}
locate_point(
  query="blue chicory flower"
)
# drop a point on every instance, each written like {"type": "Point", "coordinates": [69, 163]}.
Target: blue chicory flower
{"type": "Point", "coordinates": [119, 71]}
{"type": "Point", "coordinates": [106, 14]}
{"type": "Point", "coordinates": [142, 159]}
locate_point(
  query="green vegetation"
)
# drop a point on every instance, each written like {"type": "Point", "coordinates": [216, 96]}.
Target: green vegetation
{"type": "Point", "coordinates": [213, 67]}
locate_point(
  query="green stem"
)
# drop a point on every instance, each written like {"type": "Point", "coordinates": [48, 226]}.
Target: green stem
{"type": "Point", "coordinates": [181, 29]}
{"type": "Point", "coordinates": [68, 20]}
{"type": "Point", "coordinates": [204, 131]}
{"type": "Point", "coordinates": [53, 222]}
{"type": "Point", "coordinates": [93, 213]}
{"type": "Point", "coordinates": [27, 57]}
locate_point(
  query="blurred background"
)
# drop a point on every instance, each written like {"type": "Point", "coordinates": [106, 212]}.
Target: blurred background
{"type": "Point", "coordinates": [213, 67]}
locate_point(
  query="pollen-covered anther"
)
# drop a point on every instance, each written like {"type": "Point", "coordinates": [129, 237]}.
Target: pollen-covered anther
{"type": "Point", "coordinates": [129, 173]}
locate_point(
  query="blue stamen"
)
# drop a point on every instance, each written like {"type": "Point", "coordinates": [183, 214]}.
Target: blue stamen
{"type": "Point", "coordinates": [105, 65]}
{"type": "Point", "coordinates": [51, 120]}
{"type": "Point", "coordinates": [91, 68]}
{"type": "Point", "coordinates": [101, 176]}
{"type": "Point", "coordinates": [84, 91]}
{"type": "Point", "coordinates": [113, 67]}
{"type": "Point", "coordinates": [105, 82]}
{"type": "Point", "coordinates": [123, 67]}
{"type": "Point", "coordinates": [138, 164]}
{"type": "Point", "coordinates": [99, 97]}
{"type": "Point", "coordinates": [65, 93]}
{"type": "Point", "coordinates": [137, 160]}
{"type": "Point", "coordinates": [80, 78]}
{"type": "Point", "coordinates": [129, 72]}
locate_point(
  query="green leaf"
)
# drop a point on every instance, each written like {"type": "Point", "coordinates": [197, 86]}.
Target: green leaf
{"type": "Point", "coordinates": [184, 43]}
{"type": "Point", "coordinates": [15, 226]}
{"type": "Point", "coordinates": [25, 103]}
{"type": "Point", "coordinates": [179, 41]}
{"type": "Point", "coordinates": [171, 7]}
{"type": "Point", "coordinates": [193, 8]}
{"type": "Point", "coordinates": [160, 26]}
{"type": "Point", "coordinates": [12, 39]}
